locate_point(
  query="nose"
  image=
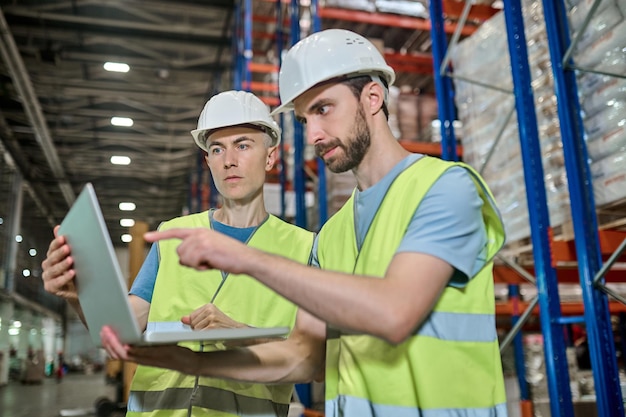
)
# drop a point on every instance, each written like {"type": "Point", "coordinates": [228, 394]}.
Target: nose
{"type": "Point", "coordinates": [230, 158]}
{"type": "Point", "coordinates": [314, 133]}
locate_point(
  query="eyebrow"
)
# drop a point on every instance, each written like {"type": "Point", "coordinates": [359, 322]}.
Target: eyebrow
{"type": "Point", "coordinates": [313, 108]}
{"type": "Point", "coordinates": [236, 141]}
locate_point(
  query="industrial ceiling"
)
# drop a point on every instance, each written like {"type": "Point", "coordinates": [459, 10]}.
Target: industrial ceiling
{"type": "Point", "coordinates": [57, 100]}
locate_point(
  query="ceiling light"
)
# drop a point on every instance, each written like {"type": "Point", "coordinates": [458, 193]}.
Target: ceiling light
{"type": "Point", "coordinates": [126, 238]}
{"type": "Point", "coordinates": [122, 121]}
{"type": "Point", "coordinates": [14, 332]}
{"type": "Point", "coordinates": [127, 222]}
{"type": "Point", "coordinates": [18, 238]}
{"type": "Point", "coordinates": [26, 273]}
{"type": "Point", "coordinates": [127, 206]}
{"type": "Point", "coordinates": [17, 324]}
{"type": "Point", "coordinates": [120, 160]}
{"type": "Point", "coordinates": [116, 67]}
{"type": "Point", "coordinates": [32, 252]}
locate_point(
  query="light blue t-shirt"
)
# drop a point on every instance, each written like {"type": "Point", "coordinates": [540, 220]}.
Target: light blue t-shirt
{"type": "Point", "coordinates": [143, 285]}
{"type": "Point", "coordinates": [447, 224]}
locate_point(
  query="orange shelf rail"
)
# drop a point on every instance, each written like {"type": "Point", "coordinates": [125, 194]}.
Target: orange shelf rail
{"type": "Point", "coordinates": [481, 12]}
{"type": "Point", "coordinates": [385, 19]}
{"type": "Point", "coordinates": [262, 67]}
{"type": "Point", "coordinates": [565, 250]}
{"type": "Point", "coordinates": [427, 148]}
{"type": "Point", "coordinates": [411, 63]}
{"type": "Point", "coordinates": [261, 86]}
{"type": "Point", "coordinates": [565, 275]}
{"type": "Point", "coordinates": [567, 309]}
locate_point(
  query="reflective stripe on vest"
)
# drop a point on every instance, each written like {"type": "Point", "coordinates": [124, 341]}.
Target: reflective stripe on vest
{"type": "Point", "coordinates": [179, 290]}
{"type": "Point", "coordinates": [204, 397]}
{"type": "Point", "coordinates": [457, 327]}
{"type": "Point", "coordinates": [351, 406]}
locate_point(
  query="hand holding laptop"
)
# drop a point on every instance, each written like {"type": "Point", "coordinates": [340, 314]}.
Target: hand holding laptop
{"type": "Point", "coordinates": [58, 272]}
{"type": "Point", "coordinates": [95, 270]}
{"type": "Point", "coordinates": [175, 357]}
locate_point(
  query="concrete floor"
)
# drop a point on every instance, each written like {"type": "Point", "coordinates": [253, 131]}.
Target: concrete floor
{"type": "Point", "coordinates": [75, 395]}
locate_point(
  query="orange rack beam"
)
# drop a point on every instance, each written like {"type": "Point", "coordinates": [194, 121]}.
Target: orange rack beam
{"type": "Point", "coordinates": [427, 148]}
{"type": "Point", "coordinates": [412, 63]}
{"type": "Point", "coordinates": [453, 9]}
{"type": "Point", "coordinates": [567, 309]}
{"type": "Point", "coordinates": [261, 86]}
{"type": "Point", "coordinates": [565, 250]}
{"type": "Point", "coordinates": [262, 67]}
{"type": "Point", "coordinates": [565, 275]}
{"type": "Point", "coordinates": [384, 19]}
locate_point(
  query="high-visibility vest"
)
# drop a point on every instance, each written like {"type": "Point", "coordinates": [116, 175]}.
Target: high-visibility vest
{"type": "Point", "coordinates": [451, 365]}
{"type": "Point", "coordinates": [180, 290]}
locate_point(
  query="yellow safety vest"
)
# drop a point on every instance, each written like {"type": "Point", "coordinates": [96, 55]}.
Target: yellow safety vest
{"type": "Point", "coordinates": [451, 366]}
{"type": "Point", "coordinates": [180, 290]}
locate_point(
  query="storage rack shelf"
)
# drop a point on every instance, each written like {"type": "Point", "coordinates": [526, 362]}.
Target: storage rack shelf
{"type": "Point", "coordinates": [573, 255]}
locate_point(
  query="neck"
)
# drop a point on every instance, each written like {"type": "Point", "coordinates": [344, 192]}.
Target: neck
{"type": "Point", "coordinates": [238, 214]}
{"type": "Point", "coordinates": [384, 153]}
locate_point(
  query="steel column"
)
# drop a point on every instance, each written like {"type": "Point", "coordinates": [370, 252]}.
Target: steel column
{"type": "Point", "coordinates": [282, 175]}
{"type": "Point", "coordinates": [298, 134]}
{"type": "Point", "coordinates": [443, 84]}
{"type": "Point", "coordinates": [550, 310]}
{"type": "Point", "coordinates": [518, 345]}
{"type": "Point", "coordinates": [247, 43]}
{"type": "Point", "coordinates": [322, 197]}
{"type": "Point", "coordinates": [599, 331]}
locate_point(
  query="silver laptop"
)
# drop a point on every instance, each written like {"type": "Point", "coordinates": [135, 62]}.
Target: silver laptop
{"type": "Point", "coordinates": [103, 292]}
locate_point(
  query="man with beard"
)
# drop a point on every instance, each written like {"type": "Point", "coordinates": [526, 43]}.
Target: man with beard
{"type": "Point", "coordinates": [405, 281]}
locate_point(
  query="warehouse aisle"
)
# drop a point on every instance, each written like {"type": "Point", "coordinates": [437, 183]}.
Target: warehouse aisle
{"type": "Point", "coordinates": [74, 396]}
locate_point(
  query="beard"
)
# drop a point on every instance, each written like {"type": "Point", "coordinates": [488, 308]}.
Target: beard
{"type": "Point", "coordinates": [354, 150]}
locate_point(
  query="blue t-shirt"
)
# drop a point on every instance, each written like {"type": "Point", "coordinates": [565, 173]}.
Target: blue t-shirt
{"type": "Point", "coordinates": [143, 285]}
{"type": "Point", "coordinates": [447, 224]}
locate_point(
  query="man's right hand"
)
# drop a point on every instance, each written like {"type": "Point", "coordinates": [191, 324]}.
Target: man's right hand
{"type": "Point", "coordinates": [58, 272]}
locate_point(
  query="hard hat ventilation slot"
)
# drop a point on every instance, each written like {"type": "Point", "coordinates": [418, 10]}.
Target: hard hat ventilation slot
{"type": "Point", "coordinates": [352, 41]}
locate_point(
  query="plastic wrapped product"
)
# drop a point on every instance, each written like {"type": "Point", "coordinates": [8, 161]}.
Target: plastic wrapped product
{"type": "Point", "coordinates": [614, 60]}
{"type": "Point", "coordinates": [579, 12]}
{"type": "Point", "coordinates": [606, 90]}
{"type": "Point", "coordinates": [606, 120]}
{"type": "Point", "coordinates": [596, 52]}
{"type": "Point", "coordinates": [598, 25]}
{"type": "Point", "coordinates": [609, 179]}
{"type": "Point", "coordinates": [409, 8]}
{"type": "Point", "coordinates": [610, 143]}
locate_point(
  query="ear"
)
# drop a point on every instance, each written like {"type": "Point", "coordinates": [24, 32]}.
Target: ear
{"type": "Point", "coordinates": [206, 158]}
{"type": "Point", "coordinates": [272, 156]}
{"type": "Point", "coordinates": [375, 97]}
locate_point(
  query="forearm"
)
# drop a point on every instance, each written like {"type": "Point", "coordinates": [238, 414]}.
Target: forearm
{"type": "Point", "coordinates": [389, 307]}
{"type": "Point", "coordinates": [269, 363]}
{"type": "Point", "coordinates": [342, 300]}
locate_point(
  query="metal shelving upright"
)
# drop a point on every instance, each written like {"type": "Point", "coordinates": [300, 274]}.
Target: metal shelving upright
{"type": "Point", "coordinates": [591, 271]}
{"type": "Point", "coordinates": [600, 334]}
{"type": "Point", "coordinates": [242, 80]}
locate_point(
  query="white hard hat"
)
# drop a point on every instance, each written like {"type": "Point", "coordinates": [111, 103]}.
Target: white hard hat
{"type": "Point", "coordinates": [326, 55]}
{"type": "Point", "coordinates": [232, 108]}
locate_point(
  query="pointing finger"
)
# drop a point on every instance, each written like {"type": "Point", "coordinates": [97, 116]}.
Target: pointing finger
{"type": "Point", "coordinates": [167, 234]}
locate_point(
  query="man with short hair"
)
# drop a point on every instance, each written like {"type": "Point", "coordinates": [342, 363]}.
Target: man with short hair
{"type": "Point", "coordinates": [240, 138]}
